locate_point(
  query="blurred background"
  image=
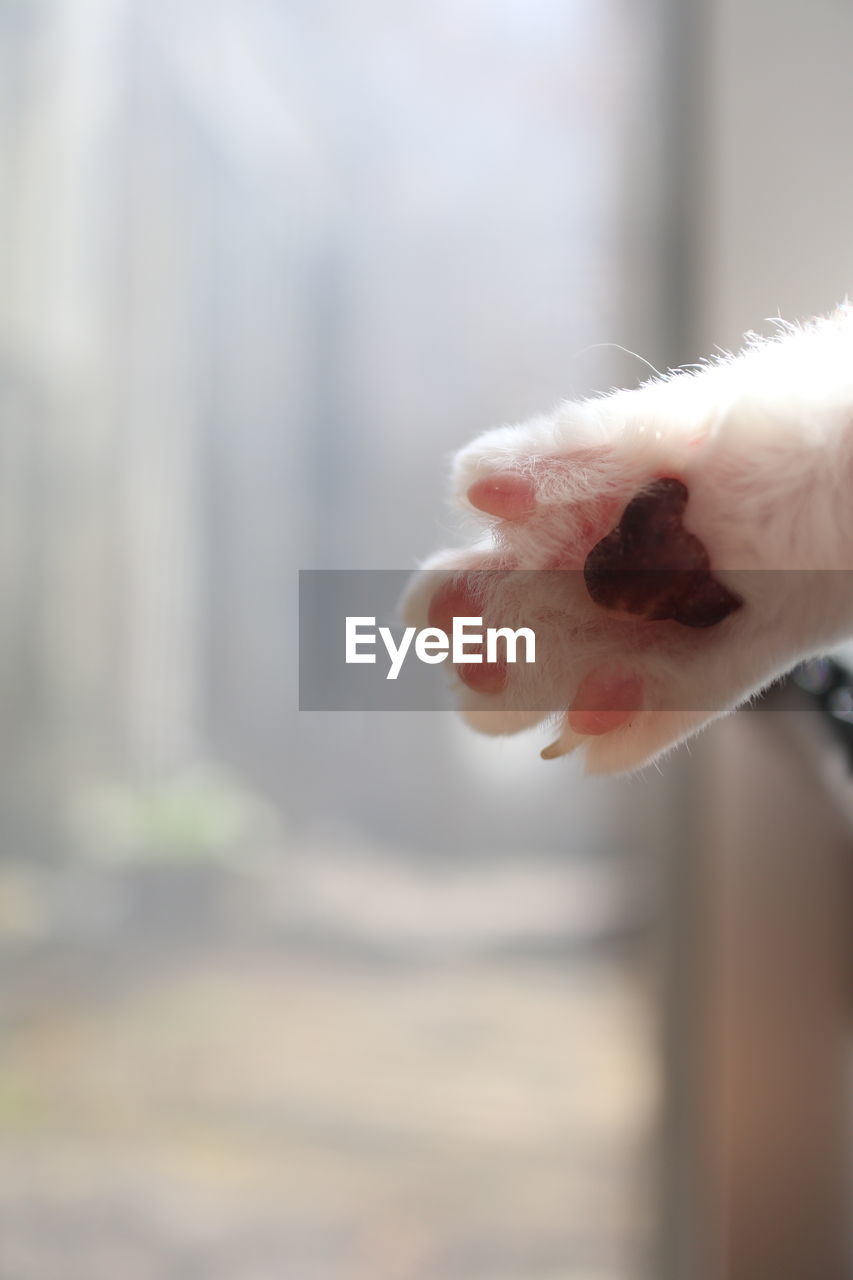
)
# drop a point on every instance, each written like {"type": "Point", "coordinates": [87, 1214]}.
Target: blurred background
{"type": "Point", "coordinates": [365, 997]}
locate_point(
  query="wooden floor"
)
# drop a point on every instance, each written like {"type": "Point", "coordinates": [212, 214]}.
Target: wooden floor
{"type": "Point", "coordinates": [195, 1080]}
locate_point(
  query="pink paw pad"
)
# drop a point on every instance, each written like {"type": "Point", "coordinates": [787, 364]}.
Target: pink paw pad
{"type": "Point", "coordinates": [455, 600]}
{"type": "Point", "coordinates": [606, 699]}
{"type": "Point", "coordinates": [505, 495]}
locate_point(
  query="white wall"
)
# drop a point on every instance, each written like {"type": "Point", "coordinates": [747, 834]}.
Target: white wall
{"type": "Point", "coordinates": [775, 205]}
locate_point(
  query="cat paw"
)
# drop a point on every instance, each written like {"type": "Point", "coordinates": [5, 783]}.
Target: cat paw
{"type": "Point", "coordinates": [614, 530]}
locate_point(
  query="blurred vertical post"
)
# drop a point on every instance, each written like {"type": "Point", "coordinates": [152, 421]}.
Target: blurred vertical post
{"type": "Point", "coordinates": [754, 1131]}
{"type": "Point", "coordinates": [777, 1009]}
{"type": "Point", "coordinates": [55, 352]}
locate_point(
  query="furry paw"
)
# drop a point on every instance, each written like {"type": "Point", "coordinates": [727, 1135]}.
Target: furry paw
{"type": "Point", "coordinates": [646, 539]}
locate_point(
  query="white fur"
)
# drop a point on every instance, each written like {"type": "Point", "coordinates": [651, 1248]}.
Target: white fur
{"type": "Point", "coordinates": [764, 442]}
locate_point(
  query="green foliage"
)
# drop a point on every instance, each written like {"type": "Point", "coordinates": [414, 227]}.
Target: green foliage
{"type": "Point", "coordinates": [200, 815]}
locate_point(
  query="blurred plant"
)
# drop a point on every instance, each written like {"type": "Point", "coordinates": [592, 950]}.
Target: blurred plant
{"type": "Point", "coordinates": [205, 814]}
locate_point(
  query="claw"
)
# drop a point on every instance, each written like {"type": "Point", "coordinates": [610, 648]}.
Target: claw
{"type": "Point", "coordinates": [561, 746]}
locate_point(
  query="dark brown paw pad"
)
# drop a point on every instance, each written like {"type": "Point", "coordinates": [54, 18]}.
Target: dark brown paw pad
{"type": "Point", "coordinates": [652, 567]}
